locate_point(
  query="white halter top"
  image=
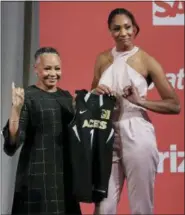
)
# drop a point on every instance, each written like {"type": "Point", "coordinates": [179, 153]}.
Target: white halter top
{"type": "Point", "coordinates": [119, 75]}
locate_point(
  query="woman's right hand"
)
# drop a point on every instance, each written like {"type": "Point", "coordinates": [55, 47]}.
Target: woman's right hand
{"type": "Point", "coordinates": [17, 103]}
{"type": "Point", "coordinates": [103, 89]}
{"type": "Point", "coordinates": [17, 97]}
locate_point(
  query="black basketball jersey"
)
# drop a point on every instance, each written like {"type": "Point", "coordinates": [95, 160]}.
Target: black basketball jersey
{"type": "Point", "coordinates": [91, 143]}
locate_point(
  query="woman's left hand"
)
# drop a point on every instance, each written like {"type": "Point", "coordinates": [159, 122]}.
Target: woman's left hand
{"type": "Point", "coordinates": [131, 94]}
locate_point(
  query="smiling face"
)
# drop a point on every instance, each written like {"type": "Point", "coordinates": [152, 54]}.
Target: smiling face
{"type": "Point", "coordinates": [123, 31]}
{"type": "Point", "coordinates": [48, 69]}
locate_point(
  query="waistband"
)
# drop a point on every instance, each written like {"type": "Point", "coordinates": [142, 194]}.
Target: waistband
{"type": "Point", "coordinates": [133, 114]}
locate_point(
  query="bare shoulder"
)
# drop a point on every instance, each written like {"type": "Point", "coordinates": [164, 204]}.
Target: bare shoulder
{"type": "Point", "coordinates": [147, 57]}
{"type": "Point", "coordinates": [104, 56]}
{"type": "Point", "coordinates": [102, 60]}
{"type": "Point", "coordinates": [151, 63]}
{"type": "Point", "coordinates": [144, 55]}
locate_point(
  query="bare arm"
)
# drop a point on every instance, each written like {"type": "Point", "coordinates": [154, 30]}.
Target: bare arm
{"type": "Point", "coordinates": [97, 72]}
{"type": "Point", "coordinates": [169, 103]}
{"type": "Point", "coordinates": [74, 101]}
{"type": "Point", "coordinates": [15, 130]}
{"type": "Point", "coordinates": [99, 89]}
{"type": "Point", "coordinates": [17, 104]}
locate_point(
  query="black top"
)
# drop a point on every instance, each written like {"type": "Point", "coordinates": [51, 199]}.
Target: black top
{"type": "Point", "coordinates": [40, 173]}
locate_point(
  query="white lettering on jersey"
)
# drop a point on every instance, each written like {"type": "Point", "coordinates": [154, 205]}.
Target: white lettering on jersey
{"type": "Point", "coordinates": [94, 124]}
{"type": "Point", "coordinates": [105, 114]}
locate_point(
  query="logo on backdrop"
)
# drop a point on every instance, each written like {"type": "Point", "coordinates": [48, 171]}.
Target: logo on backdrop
{"type": "Point", "coordinates": [168, 12]}
{"type": "Point", "coordinates": [175, 79]}
{"type": "Point", "coordinates": [174, 158]}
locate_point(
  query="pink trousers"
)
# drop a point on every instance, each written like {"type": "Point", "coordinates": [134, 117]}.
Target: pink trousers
{"type": "Point", "coordinates": [135, 159]}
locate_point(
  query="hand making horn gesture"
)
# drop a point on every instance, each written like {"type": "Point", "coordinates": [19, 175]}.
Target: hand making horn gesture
{"type": "Point", "coordinates": [17, 97]}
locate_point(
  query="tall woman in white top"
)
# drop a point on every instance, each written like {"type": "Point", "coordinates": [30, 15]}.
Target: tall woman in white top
{"type": "Point", "coordinates": [128, 71]}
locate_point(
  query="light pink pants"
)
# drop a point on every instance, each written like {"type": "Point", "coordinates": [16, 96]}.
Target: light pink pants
{"type": "Point", "coordinates": [135, 159]}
